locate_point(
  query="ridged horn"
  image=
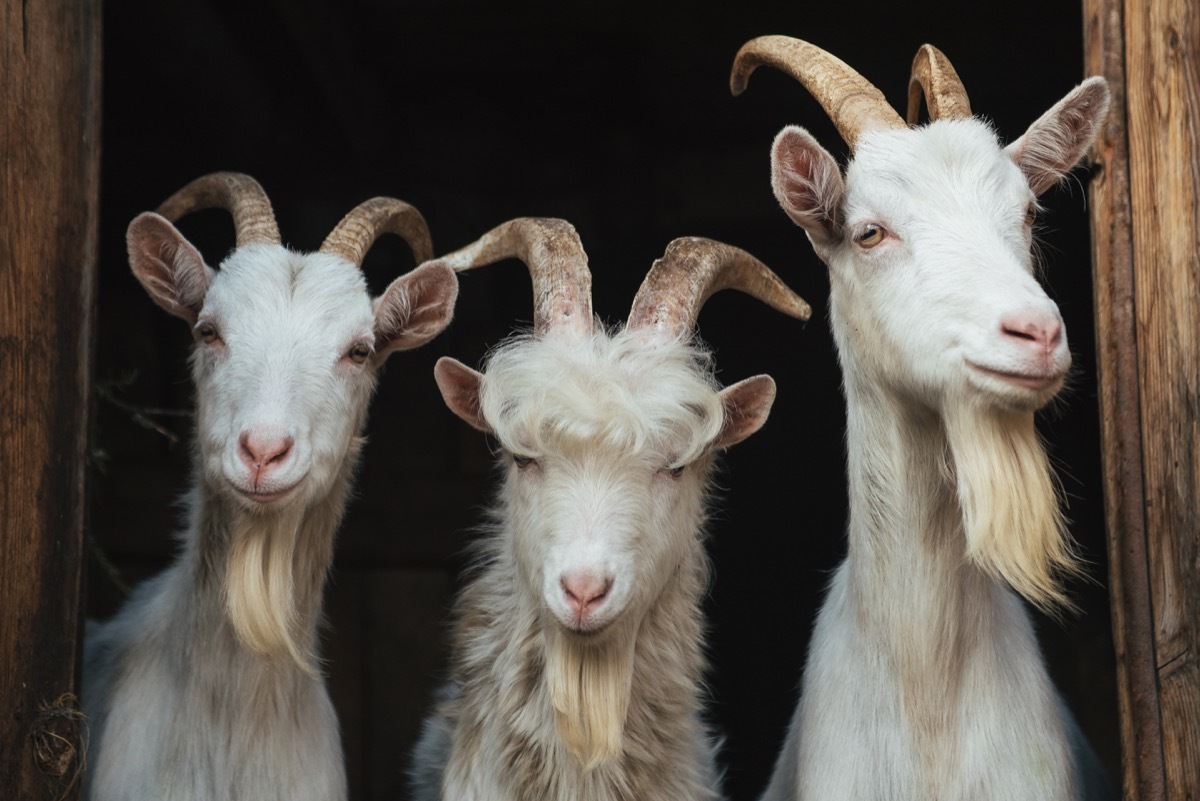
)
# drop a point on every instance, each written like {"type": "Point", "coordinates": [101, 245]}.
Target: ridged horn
{"type": "Point", "coordinates": [850, 100]}
{"type": "Point", "coordinates": [237, 193]}
{"type": "Point", "coordinates": [551, 250]}
{"type": "Point", "coordinates": [934, 76]}
{"type": "Point", "coordinates": [692, 270]}
{"type": "Point", "coordinates": [356, 233]}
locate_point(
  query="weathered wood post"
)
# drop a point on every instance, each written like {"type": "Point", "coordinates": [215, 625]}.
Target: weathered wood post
{"type": "Point", "coordinates": [1146, 256]}
{"type": "Point", "coordinates": [49, 163]}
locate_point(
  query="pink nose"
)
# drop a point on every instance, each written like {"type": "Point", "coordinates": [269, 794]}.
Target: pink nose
{"type": "Point", "coordinates": [1038, 331]}
{"type": "Point", "coordinates": [264, 451]}
{"type": "Point", "coordinates": [585, 592]}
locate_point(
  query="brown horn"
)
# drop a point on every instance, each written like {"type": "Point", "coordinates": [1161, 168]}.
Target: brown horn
{"type": "Point", "coordinates": [356, 233]}
{"type": "Point", "coordinates": [934, 75]}
{"type": "Point", "coordinates": [692, 270]}
{"type": "Point", "coordinates": [851, 101]}
{"type": "Point", "coordinates": [237, 193]}
{"type": "Point", "coordinates": [550, 248]}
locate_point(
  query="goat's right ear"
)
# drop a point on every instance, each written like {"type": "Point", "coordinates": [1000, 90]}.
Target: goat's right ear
{"type": "Point", "coordinates": [460, 387]}
{"type": "Point", "coordinates": [415, 308]}
{"type": "Point", "coordinates": [807, 183]}
{"type": "Point", "coordinates": [169, 267]}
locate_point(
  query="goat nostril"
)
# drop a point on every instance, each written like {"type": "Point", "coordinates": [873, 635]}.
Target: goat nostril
{"type": "Point", "coordinates": [584, 590]}
{"type": "Point", "coordinates": [1040, 331]}
{"type": "Point", "coordinates": [260, 452]}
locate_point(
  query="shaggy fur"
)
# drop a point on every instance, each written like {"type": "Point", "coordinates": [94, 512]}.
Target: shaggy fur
{"type": "Point", "coordinates": [924, 678]}
{"type": "Point", "coordinates": [206, 683]}
{"type": "Point", "coordinates": [538, 710]}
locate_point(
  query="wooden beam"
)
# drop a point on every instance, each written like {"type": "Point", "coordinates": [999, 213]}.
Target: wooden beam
{"type": "Point", "coordinates": [49, 166]}
{"type": "Point", "coordinates": [1146, 257]}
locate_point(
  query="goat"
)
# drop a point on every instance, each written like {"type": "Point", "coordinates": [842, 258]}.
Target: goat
{"type": "Point", "coordinates": [577, 652]}
{"type": "Point", "coordinates": [205, 685]}
{"type": "Point", "coordinates": [924, 678]}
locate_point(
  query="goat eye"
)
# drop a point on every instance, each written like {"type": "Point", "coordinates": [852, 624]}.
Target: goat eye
{"type": "Point", "coordinates": [676, 472]}
{"type": "Point", "coordinates": [871, 236]}
{"type": "Point", "coordinates": [523, 461]}
{"type": "Point", "coordinates": [207, 332]}
{"type": "Point", "coordinates": [359, 352]}
{"type": "Point", "coordinates": [1031, 214]}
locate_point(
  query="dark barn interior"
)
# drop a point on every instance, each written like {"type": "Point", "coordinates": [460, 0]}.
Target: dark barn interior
{"type": "Point", "coordinates": [618, 118]}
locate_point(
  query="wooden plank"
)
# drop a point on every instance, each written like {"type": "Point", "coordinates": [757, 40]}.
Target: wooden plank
{"type": "Point", "coordinates": [1162, 61]}
{"type": "Point", "coordinates": [1120, 421]}
{"type": "Point", "coordinates": [1147, 264]}
{"type": "Point", "coordinates": [49, 160]}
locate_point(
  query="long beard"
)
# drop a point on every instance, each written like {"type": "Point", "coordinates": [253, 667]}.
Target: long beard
{"type": "Point", "coordinates": [589, 685]}
{"type": "Point", "coordinates": [1011, 502]}
{"type": "Point", "coordinates": [260, 591]}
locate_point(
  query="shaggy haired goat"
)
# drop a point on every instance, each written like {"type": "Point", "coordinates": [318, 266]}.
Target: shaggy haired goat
{"type": "Point", "coordinates": [924, 678]}
{"type": "Point", "coordinates": [205, 686]}
{"type": "Point", "coordinates": [577, 661]}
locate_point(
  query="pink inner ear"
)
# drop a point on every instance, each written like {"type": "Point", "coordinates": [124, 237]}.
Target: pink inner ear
{"type": "Point", "coordinates": [460, 387]}
{"type": "Point", "coordinates": [415, 308]}
{"type": "Point", "coordinates": [167, 265]}
{"type": "Point", "coordinates": [747, 405]}
{"type": "Point", "coordinates": [807, 182]}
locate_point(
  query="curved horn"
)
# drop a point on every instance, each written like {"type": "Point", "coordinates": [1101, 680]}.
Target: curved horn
{"type": "Point", "coordinates": [849, 99]}
{"type": "Point", "coordinates": [356, 233]}
{"type": "Point", "coordinates": [933, 74]}
{"type": "Point", "coordinates": [237, 193]}
{"type": "Point", "coordinates": [692, 270]}
{"type": "Point", "coordinates": [550, 248]}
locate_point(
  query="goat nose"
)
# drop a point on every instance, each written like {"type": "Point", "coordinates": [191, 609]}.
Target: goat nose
{"type": "Point", "coordinates": [264, 450]}
{"type": "Point", "coordinates": [585, 591]}
{"type": "Point", "coordinates": [1036, 330]}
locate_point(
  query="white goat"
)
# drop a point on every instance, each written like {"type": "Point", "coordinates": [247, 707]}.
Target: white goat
{"type": "Point", "coordinates": [577, 654]}
{"type": "Point", "coordinates": [924, 679]}
{"type": "Point", "coordinates": [205, 685]}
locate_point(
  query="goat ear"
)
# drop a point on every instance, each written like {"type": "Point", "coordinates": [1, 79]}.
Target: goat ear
{"type": "Point", "coordinates": [807, 183]}
{"type": "Point", "coordinates": [169, 267]}
{"type": "Point", "coordinates": [460, 387]}
{"type": "Point", "coordinates": [1059, 138]}
{"type": "Point", "coordinates": [415, 308]}
{"type": "Point", "coordinates": [747, 404]}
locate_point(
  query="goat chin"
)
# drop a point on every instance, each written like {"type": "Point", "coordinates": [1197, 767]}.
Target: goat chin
{"type": "Point", "coordinates": [590, 684]}
{"type": "Point", "coordinates": [1011, 501]}
{"type": "Point", "coordinates": [259, 583]}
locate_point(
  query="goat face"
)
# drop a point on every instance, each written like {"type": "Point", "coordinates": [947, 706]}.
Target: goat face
{"type": "Point", "coordinates": [928, 245]}
{"type": "Point", "coordinates": [283, 370]}
{"type": "Point", "coordinates": [287, 346]}
{"type": "Point", "coordinates": [609, 448]}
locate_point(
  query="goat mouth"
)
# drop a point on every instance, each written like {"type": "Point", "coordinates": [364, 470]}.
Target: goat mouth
{"type": "Point", "coordinates": [1027, 380]}
{"type": "Point", "coordinates": [263, 497]}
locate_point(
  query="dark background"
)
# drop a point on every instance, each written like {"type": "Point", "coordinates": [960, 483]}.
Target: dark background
{"type": "Point", "coordinates": [617, 117]}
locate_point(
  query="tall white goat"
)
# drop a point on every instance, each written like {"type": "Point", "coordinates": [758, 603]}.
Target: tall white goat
{"type": "Point", "coordinates": [577, 653]}
{"type": "Point", "coordinates": [924, 679]}
{"type": "Point", "coordinates": [205, 685]}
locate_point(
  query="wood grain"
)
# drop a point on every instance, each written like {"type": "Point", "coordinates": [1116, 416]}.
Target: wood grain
{"type": "Point", "coordinates": [1147, 278]}
{"type": "Point", "coordinates": [1163, 85]}
{"type": "Point", "coordinates": [49, 163]}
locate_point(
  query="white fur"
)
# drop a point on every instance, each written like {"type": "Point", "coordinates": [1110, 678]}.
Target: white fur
{"type": "Point", "coordinates": [924, 679]}
{"type": "Point", "coordinates": [206, 684]}
{"type": "Point", "coordinates": [537, 709]}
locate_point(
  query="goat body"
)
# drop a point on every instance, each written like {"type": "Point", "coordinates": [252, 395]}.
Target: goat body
{"type": "Point", "coordinates": [205, 685]}
{"type": "Point", "coordinates": [578, 649]}
{"type": "Point", "coordinates": [924, 677]}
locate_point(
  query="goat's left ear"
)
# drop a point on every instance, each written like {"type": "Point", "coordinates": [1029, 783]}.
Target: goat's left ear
{"type": "Point", "coordinates": [415, 308]}
{"type": "Point", "coordinates": [1059, 138]}
{"type": "Point", "coordinates": [747, 404]}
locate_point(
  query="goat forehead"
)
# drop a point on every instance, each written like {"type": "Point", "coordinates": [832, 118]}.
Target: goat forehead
{"type": "Point", "coordinates": [268, 293]}
{"type": "Point", "coordinates": [953, 167]}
